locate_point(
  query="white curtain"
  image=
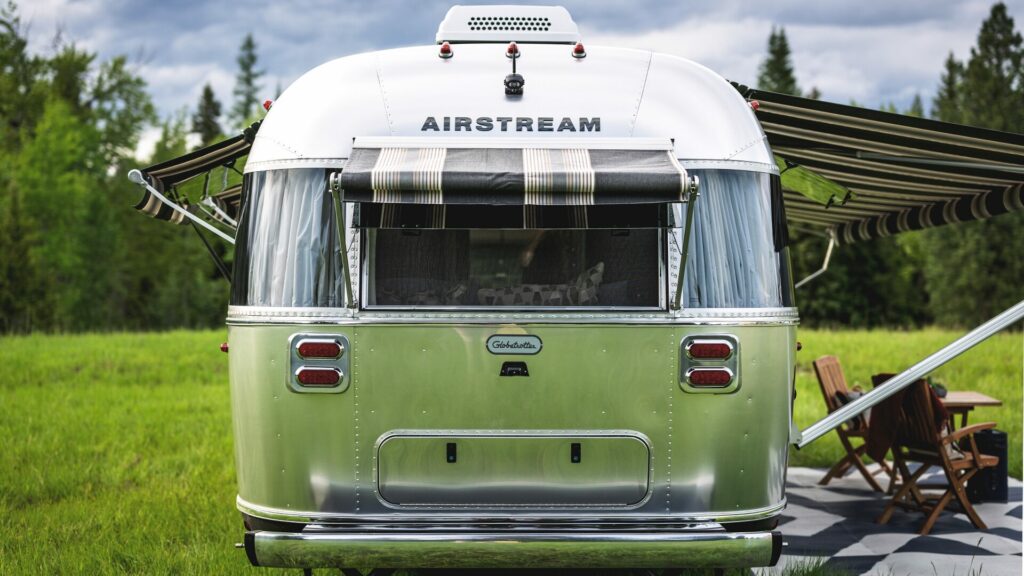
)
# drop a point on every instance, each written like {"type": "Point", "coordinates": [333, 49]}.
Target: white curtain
{"type": "Point", "coordinates": [293, 257]}
{"type": "Point", "coordinates": [732, 261]}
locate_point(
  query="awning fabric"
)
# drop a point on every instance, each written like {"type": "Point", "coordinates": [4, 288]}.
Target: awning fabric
{"type": "Point", "coordinates": [569, 176]}
{"type": "Point", "coordinates": [902, 173]}
{"type": "Point", "coordinates": [166, 175]}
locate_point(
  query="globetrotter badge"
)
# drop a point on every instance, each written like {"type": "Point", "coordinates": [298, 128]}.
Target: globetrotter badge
{"type": "Point", "coordinates": [513, 344]}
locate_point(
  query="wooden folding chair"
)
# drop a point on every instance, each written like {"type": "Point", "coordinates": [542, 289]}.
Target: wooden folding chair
{"type": "Point", "coordinates": [921, 438]}
{"type": "Point", "coordinates": [833, 385]}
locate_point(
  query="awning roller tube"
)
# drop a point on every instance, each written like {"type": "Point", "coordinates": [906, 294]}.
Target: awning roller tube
{"type": "Point", "coordinates": [508, 172]}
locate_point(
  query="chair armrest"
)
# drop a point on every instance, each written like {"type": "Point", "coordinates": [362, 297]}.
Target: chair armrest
{"type": "Point", "coordinates": [961, 432]}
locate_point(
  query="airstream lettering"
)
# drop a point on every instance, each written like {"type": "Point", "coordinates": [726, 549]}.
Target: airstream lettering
{"type": "Point", "coordinates": [510, 124]}
{"type": "Point", "coordinates": [616, 240]}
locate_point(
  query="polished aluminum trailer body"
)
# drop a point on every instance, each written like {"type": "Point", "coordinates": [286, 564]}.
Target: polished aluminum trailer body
{"type": "Point", "coordinates": [427, 453]}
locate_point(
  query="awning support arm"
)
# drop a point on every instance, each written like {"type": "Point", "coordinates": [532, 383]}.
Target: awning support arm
{"type": "Point", "coordinates": [339, 215]}
{"type": "Point", "coordinates": [692, 191]}
{"type": "Point", "coordinates": [137, 177]}
{"type": "Point", "coordinates": [824, 265]}
{"type": "Point", "coordinates": [911, 375]}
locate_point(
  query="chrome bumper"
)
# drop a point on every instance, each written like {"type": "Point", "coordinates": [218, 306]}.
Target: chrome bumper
{"type": "Point", "coordinates": [497, 549]}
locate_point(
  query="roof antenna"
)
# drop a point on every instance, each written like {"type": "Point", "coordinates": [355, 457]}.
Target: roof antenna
{"type": "Point", "coordinates": [513, 82]}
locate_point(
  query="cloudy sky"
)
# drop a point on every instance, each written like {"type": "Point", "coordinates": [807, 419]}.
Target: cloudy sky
{"type": "Point", "coordinates": [871, 51]}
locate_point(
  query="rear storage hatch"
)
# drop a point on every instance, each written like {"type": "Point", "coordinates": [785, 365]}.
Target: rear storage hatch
{"type": "Point", "coordinates": [453, 469]}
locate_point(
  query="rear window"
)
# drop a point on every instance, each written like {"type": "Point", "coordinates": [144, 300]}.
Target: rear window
{"type": "Point", "coordinates": [287, 252]}
{"type": "Point", "coordinates": [531, 268]}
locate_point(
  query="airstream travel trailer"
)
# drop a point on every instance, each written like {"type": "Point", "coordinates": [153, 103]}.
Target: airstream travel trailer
{"type": "Point", "coordinates": [460, 332]}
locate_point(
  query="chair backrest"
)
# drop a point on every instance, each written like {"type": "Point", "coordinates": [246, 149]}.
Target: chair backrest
{"type": "Point", "coordinates": [831, 380]}
{"type": "Point", "coordinates": [917, 427]}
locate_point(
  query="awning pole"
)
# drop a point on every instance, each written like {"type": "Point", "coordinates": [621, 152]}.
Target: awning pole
{"type": "Point", "coordinates": [824, 265]}
{"type": "Point", "coordinates": [339, 215]}
{"type": "Point", "coordinates": [692, 187]}
{"type": "Point", "coordinates": [911, 375]}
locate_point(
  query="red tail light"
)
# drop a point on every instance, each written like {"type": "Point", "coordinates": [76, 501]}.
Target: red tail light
{"type": "Point", "coordinates": [313, 348]}
{"type": "Point", "coordinates": [445, 51]}
{"type": "Point", "coordinates": [578, 51]}
{"type": "Point", "coordinates": [709, 349]}
{"type": "Point", "coordinates": [709, 377]}
{"type": "Point", "coordinates": [318, 376]}
{"type": "Point", "coordinates": [512, 51]}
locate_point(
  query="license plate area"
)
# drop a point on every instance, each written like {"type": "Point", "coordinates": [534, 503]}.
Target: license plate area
{"type": "Point", "coordinates": [513, 469]}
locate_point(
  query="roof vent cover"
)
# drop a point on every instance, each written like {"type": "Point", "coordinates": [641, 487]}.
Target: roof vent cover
{"type": "Point", "coordinates": [524, 24]}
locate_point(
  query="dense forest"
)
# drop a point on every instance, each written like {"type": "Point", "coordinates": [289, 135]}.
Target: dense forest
{"type": "Point", "coordinates": [74, 255]}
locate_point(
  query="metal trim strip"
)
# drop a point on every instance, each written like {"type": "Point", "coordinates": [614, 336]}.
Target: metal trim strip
{"type": "Point", "coordinates": [577, 516]}
{"type": "Point", "coordinates": [245, 315]}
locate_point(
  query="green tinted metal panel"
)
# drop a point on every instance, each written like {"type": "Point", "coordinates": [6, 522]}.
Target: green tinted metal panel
{"type": "Point", "coordinates": [513, 470]}
{"type": "Point", "coordinates": [291, 450]}
{"type": "Point", "coordinates": [314, 455]}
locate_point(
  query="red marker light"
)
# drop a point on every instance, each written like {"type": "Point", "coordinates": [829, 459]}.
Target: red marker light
{"type": "Point", "coordinates": [513, 50]}
{"type": "Point", "coordinates": [709, 377]}
{"type": "Point", "coordinates": [224, 347]}
{"type": "Point", "coordinates": [267, 104]}
{"type": "Point", "coordinates": [326, 377]}
{"type": "Point", "coordinates": [320, 349]}
{"type": "Point", "coordinates": [578, 51]}
{"type": "Point", "coordinates": [755, 105]}
{"type": "Point", "coordinates": [445, 51]}
{"type": "Point", "coordinates": [709, 350]}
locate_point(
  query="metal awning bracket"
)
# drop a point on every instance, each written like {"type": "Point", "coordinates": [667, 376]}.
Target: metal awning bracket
{"type": "Point", "coordinates": [339, 216]}
{"type": "Point", "coordinates": [692, 192]}
{"type": "Point", "coordinates": [824, 265]}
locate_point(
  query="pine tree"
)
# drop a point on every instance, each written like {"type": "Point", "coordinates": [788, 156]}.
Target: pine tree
{"type": "Point", "coordinates": [975, 270]}
{"type": "Point", "coordinates": [776, 71]}
{"type": "Point", "coordinates": [916, 107]}
{"type": "Point", "coordinates": [946, 105]}
{"type": "Point", "coordinates": [992, 79]}
{"type": "Point", "coordinates": [204, 121]}
{"type": "Point", "coordinates": [20, 80]}
{"type": "Point", "coordinates": [246, 84]}
{"type": "Point", "coordinates": [17, 271]}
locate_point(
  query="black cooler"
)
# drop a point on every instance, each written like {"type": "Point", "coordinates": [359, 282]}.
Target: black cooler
{"type": "Point", "coordinates": [989, 484]}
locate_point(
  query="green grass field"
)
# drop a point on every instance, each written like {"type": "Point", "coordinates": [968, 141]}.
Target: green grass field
{"type": "Point", "coordinates": [994, 367]}
{"type": "Point", "coordinates": [118, 459]}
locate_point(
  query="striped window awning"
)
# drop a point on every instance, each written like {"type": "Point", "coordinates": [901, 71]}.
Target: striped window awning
{"type": "Point", "coordinates": [497, 172]}
{"type": "Point", "coordinates": [886, 173]}
{"type": "Point", "coordinates": [165, 176]}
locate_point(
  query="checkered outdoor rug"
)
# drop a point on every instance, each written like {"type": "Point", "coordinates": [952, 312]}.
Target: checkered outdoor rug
{"type": "Point", "coordinates": [835, 524]}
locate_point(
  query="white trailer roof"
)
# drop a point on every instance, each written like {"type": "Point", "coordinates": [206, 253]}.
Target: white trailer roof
{"type": "Point", "coordinates": [612, 92]}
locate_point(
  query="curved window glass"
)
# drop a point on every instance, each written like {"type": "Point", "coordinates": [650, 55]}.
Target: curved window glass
{"type": "Point", "coordinates": [733, 261]}
{"type": "Point", "coordinates": [287, 245]}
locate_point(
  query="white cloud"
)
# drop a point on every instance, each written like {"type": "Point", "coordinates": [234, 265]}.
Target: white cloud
{"type": "Point", "coordinates": [873, 65]}
{"type": "Point", "coordinates": [874, 51]}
